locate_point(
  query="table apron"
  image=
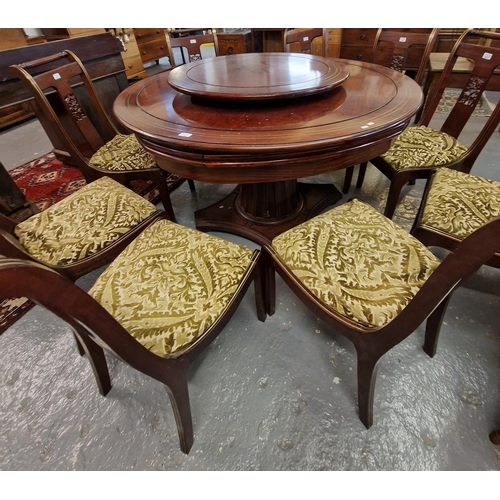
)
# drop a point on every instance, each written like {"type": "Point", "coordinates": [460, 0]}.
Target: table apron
{"type": "Point", "coordinates": [234, 168]}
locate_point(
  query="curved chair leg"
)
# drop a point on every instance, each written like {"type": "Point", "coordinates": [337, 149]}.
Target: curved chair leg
{"type": "Point", "coordinates": [361, 174]}
{"type": "Point", "coordinates": [179, 398]}
{"type": "Point", "coordinates": [367, 374]}
{"type": "Point", "coordinates": [397, 183]}
{"type": "Point", "coordinates": [433, 327]}
{"type": "Point", "coordinates": [98, 362]}
{"type": "Point", "coordinates": [349, 171]}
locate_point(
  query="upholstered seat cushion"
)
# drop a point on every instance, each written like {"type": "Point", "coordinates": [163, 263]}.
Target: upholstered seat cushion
{"type": "Point", "coordinates": [123, 152]}
{"type": "Point", "coordinates": [459, 203]}
{"type": "Point", "coordinates": [423, 147]}
{"type": "Point", "coordinates": [170, 284]}
{"type": "Point", "coordinates": [357, 262]}
{"type": "Point", "coordinates": [83, 223]}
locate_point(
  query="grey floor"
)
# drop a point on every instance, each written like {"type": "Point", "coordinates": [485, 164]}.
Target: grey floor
{"type": "Point", "coordinates": [273, 396]}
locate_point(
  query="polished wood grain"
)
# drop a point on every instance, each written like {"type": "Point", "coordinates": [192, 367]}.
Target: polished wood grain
{"type": "Point", "coordinates": [265, 146]}
{"type": "Point", "coordinates": [253, 77]}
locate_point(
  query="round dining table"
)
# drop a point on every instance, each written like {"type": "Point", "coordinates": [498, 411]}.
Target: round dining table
{"type": "Point", "coordinates": [261, 121]}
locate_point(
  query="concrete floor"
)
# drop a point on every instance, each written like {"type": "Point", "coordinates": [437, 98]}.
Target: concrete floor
{"type": "Point", "coordinates": [273, 396]}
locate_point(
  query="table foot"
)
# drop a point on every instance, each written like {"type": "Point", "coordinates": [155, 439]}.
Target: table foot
{"type": "Point", "coordinates": [223, 216]}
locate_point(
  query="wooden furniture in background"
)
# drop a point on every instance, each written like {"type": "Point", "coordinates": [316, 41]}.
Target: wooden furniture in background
{"type": "Point", "coordinates": [268, 39]}
{"type": "Point", "coordinates": [190, 46]}
{"type": "Point", "coordinates": [53, 34]}
{"type": "Point", "coordinates": [152, 44]}
{"type": "Point", "coordinates": [307, 41]}
{"type": "Point", "coordinates": [238, 41]}
{"type": "Point", "coordinates": [134, 67]}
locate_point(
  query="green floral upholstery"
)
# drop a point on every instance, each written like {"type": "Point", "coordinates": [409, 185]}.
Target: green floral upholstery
{"type": "Point", "coordinates": [123, 152]}
{"type": "Point", "coordinates": [170, 284]}
{"type": "Point", "coordinates": [423, 147]}
{"type": "Point", "coordinates": [459, 203]}
{"type": "Point", "coordinates": [357, 261]}
{"type": "Point", "coordinates": [83, 223]}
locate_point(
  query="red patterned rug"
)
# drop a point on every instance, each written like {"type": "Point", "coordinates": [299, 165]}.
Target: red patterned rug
{"type": "Point", "coordinates": [46, 181]}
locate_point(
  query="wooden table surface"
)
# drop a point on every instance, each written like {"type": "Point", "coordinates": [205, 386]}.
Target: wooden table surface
{"type": "Point", "coordinates": [264, 146]}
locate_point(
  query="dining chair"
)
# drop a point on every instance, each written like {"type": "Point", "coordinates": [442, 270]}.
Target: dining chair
{"type": "Point", "coordinates": [302, 40]}
{"type": "Point", "coordinates": [82, 232]}
{"type": "Point", "coordinates": [68, 107]}
{"type": "Point", "coordinates": [190, 46]}
{"type": "Point", "coordinates": [371, 281]}
{"type": "Point", "coordinates": [156, 307]}
{"type": "Point", "coordinates": [455, 204]}
{"type": "Point", "coordinates": [402, 51]}
{"type": "Point", "coordinates": [421, 149]}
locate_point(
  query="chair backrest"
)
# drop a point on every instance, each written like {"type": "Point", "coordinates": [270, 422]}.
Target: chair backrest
{"type": "Point", "coordinates": [192, 46]}
{"type": "Point", "coordinates": [474, 45]}
{"type": "Point", "coordinates": [404, 50]}
{"type": "Point", "coordinates": [65, 99]}
{"type": "Point", "coordinates": [301, 40]}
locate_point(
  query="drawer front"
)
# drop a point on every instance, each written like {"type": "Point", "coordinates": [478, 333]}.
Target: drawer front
{"type": "Point", "coordinates": [147, 35]}
{"type": "Point", "coordinates": [153, 50]}
{"type": "Point", "coordinates": [359, 36]}
{"type": "Point", "coordinates": [133, 64]}
{"type": "Point", "coordinates": [230, 44]}
{"type": "Point", "coordinates": [357, 52]}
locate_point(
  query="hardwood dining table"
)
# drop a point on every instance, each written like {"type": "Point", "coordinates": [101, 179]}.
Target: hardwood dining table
{"type": "Point", "coordinates": [262, 121]}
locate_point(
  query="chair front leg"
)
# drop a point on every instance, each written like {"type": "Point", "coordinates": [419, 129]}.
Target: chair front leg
{"type": "Point", "coordinates": [367, 374]}
{"type": "Point", "coordinates": [177, 390]}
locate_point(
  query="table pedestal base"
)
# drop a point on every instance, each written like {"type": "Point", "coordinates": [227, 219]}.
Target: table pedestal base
{"type": "Point", "coordinates": [232, 214]}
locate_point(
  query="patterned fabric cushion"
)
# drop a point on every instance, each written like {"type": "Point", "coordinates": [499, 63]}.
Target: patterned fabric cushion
{"type": "Point", "coordinates": [170, 284]}
{"type": "Point", "coordinates": [423, 147]}
{"type": "Point", "coordinates": [357, 262]}
{"type": "Point", "coordinates": [459, 203]}
{"type": "Point", "coordinates": [83, 223]}
{"type": "Point", "coordinates": [123, 152]}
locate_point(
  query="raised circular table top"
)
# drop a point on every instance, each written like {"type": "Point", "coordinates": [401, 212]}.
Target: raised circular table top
{"type": "Point", "coordinates": [253, 77]}
{"type": "Point", "coordinates": [253, 141]}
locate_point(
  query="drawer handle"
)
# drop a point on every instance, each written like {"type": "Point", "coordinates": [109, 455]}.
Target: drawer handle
{"type": "Point", "coordinates": [359, 56]}
{"type": "Point", "coordinates": [362, 36]}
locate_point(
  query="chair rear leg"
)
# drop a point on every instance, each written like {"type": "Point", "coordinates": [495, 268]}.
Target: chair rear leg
{"type": "Point", "coordinates": [361, 174]}
{"type": "Point", "coordinates": [160, 180]}
{"type": "Point", "coordinates": [397, 183]}
{"type": "Point", "coordinates": [349, 171]}
{"type": "Point", "coordinates": [433, 327]}
{"type": "Point", "coordinates": [191, 185]}
{"type": "Point", "coordinates": [260, 291]}
{"type": "Point", "coordinates": [179, 398]}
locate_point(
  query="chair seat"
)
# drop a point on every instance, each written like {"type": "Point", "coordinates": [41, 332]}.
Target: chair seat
{"type": "Point", "coordinates": [459, 203]}
{"type": "Point", "coordinates": [83, 223]}
{"type": "Point", "coordinates": [357, 262]}
{"type": "Point", "coordinates": [171, 284]}
{"type": "Point", "coordinates": [123, 152]}
{"type": "Point", "coordinates": [423, 147]}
